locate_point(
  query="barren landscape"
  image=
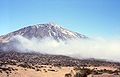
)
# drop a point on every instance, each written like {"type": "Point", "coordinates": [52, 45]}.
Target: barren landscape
{"type": "Point", "coordinates": [59, 38]}
{"type": "Point", "coordinates": [15, 64]}
{"type": "Point", "coordinates": [27, 53]}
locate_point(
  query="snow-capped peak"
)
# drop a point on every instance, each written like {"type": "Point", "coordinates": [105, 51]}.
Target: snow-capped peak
{"type": "Point", "coordinates": [40, 31]}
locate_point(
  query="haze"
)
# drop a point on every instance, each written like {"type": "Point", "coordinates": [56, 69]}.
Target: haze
{"type": "Point", "coordinates": [80, 48]}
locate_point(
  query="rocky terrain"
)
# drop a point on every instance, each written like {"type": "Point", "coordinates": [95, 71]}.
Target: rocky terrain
{"type": "Point", "coordinates": [13, 64]}
{"type": "Point", "coordinates": [47, 59]}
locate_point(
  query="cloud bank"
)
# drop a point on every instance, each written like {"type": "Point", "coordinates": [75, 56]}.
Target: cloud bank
{"type": "Point", "coordinates": [80, 48]}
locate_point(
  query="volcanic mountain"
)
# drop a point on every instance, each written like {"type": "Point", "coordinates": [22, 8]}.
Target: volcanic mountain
{"type": "Point", "coordinates": [40, 31]}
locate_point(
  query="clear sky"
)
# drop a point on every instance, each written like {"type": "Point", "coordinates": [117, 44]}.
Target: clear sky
{"type": "Point", "coordinates": [93, 18]}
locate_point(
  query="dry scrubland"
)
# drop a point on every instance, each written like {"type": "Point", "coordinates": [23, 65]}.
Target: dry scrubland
{"type": "Point", "coordinates": [54, 71]}
{"type": "Point", "coordinates": [14, 64]}
{"type": "Point", "coordinates": [44, 71]}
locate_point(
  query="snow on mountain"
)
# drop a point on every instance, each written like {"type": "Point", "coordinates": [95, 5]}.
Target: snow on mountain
{"type": "Point", "coordinates": [40, 31]}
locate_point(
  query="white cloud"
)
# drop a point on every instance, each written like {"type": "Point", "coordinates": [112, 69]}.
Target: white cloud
{"type": "Point", "coordinates": [97, 48]}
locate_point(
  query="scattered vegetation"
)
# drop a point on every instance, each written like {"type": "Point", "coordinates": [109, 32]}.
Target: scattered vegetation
{"type": "Point", "coordinates": [84, 72]}
{"type": "Point", "coordinates": [31, 59]}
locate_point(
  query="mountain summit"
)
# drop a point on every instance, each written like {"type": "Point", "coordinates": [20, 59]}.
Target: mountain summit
{"type": "Point", "coordinates": [40, 31]}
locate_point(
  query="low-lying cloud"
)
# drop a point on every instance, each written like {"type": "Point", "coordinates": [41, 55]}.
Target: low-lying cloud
{"type": "Point", "coordinates": [80, 48]}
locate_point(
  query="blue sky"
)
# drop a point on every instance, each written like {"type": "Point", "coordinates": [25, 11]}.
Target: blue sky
{"type": "Point", "coordinates": [94, 18]}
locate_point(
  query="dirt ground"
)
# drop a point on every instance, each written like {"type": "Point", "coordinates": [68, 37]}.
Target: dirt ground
{"type": "Point", "coordinates": [48, 71]}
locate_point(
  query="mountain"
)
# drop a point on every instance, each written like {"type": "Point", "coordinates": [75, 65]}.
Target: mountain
{"type": "Point", "coordinates": [40, 31]}
{"type": "Point", "coordinates": [14, 41]}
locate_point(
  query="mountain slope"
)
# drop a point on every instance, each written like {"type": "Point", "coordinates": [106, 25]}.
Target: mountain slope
{"type": "Point", "coordinates": [43, 30]}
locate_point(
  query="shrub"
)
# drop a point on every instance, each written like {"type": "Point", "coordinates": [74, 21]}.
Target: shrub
{"type": "Point", "coordinates": [83, 72]}
{"type": "Point", "coordinates": [68, 75]}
